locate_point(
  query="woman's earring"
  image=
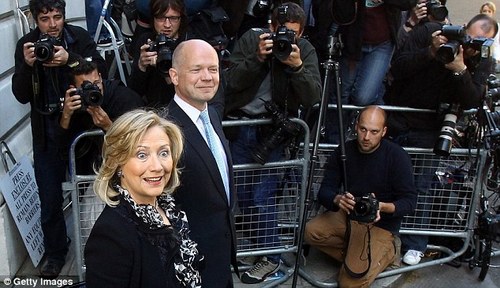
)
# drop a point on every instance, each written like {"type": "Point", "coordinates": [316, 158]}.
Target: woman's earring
{"type": "Point", "coordinates": [119, 174]}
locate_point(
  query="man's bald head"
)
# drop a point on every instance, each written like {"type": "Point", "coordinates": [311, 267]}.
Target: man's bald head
{"type": "Point", "coordinates": [185, 48]}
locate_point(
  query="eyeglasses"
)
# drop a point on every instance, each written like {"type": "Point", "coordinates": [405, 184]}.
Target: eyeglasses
{"type": "Point", "coordinates": [171, 19]}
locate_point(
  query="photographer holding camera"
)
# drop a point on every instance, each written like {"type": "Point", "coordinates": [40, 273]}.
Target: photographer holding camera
{"type": "Point", "coordinates": [41, 79]}
{"type": "Point", "coordinates": [438, 64]}
{"type": "Point", "coordinates": [271, 74]}
{"type": "Point", "coordinates": [103, 100]}
{"type": "Point", "coordinates": [149, 75]}
{"type": "Point", "coordinates": [361, 227]}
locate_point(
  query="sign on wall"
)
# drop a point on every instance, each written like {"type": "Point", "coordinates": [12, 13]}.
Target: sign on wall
{"type": "Point", "coordinates": [21, 195]}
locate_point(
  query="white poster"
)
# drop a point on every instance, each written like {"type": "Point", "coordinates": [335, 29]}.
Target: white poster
{"type": "Point", "coordinates": [21, 194]}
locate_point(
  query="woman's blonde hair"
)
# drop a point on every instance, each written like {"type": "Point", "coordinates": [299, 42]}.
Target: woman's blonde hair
{"type": "Point", "coordinates": [490, 5]}
{"type": "Point", "coordinates": [120, 144]}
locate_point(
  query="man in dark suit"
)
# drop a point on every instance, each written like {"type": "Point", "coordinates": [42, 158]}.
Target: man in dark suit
{"type": "Point", "coordinates": [206, 194]}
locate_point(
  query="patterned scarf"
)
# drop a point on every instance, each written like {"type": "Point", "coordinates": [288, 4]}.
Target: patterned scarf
{"type": "Point", "coordinates": [186, 265]}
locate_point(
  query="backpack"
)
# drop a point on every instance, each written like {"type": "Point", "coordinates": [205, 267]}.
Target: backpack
{"type": "Point", "coordinates": [207, 25]}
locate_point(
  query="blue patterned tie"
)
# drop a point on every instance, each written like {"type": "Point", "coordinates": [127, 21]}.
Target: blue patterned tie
{"type": "Point", "coordinates": [212, 144]}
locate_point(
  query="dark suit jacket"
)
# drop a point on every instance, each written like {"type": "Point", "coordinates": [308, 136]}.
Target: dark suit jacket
{"type": "Point", "coordinates": [202, 196]}
{"type": "Point", "coordinates": [118, 257]}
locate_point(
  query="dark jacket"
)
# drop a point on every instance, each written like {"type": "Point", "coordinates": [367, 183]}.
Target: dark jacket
{"type": "Point", "coordinates": [79, 45]}
{"type": "Point", "coordinates": [387, 172]}
{"type": "Point", "coordinates": [421, 81]}
{"type": "Point", "coordinates": [246, 73]}
{"type": "Point", "coordinates": [118, 254]}
{"type": "Point", "coordinates": [202, 196]}
{"type": "Point", "coordinates": [352, 33]}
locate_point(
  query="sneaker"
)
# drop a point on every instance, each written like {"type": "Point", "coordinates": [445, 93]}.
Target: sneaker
{"type": "Point", "coordinates": [259, 271]}
{"type": "Point", "coordinates": [104, 42]}
{"type": "Point", "coordinates": [413, 257]}
{"type": "Point", "coordinates": [51, 268]}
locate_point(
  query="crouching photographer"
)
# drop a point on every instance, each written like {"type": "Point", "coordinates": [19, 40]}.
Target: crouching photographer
{"type": "Point", "coordinates": [438, 64]}
{"type": "Point", "coordinates": [361, 227]}
{"type": "Point", "coordinates": [92, 102]}
{"type": "Point", "coordinates": [258, 76]}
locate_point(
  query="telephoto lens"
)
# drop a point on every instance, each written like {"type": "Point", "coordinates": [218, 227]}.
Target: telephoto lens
{"type": "Point", "coordinates": [444, 143]}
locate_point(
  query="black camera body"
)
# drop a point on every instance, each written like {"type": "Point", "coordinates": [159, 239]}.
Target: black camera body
{"type": "Point", "coordinates": [283, 130]}
{"type": "Point", "coordinates": [457, 36]}
{"type": "Point", "coordinates": [44, 47]}
{"type": "Point", "coordinates": [90, 94]}
{"type": "Point", "coordinates": [437, 10]}
{"type": "Point", "coordinates": [164, 47]}
{"type": "Point", "coordinates": [443, 145]}
{"type": "Point", "coordinates": [365, 209]}
{"type": "Point", "coordinates": [283, 38]}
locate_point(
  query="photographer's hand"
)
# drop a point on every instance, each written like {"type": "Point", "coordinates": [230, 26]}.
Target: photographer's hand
{"type": "Point", "coordinates": [60, 57]}
{"type": "Point", "coordinates": [29, 53]}
{"type": "Point", "coordinates": [71, 104]}
{"type": "Point", "coordinates": [294, 60]}
{"type": "Point", "coordinates": [345, 202]}
{"type": "Point", "coordinates": [265, 47]}
{"type": "Point", "coordinates": [99, 117]}
{"type": "Point", "coordinates": [457, 65]}
{"type": "Point", "coordinates": [437, 41]}
{"type": "Point", "coordinates": [147, 58]}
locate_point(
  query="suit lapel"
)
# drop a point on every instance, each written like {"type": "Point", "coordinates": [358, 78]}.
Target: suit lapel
{"type": "Point", "coordinates": [193, 138]}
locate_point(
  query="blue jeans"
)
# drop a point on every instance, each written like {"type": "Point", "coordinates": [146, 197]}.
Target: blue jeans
{"type": "Point", "coordinates": [93, 9]}
{"type": "Point", "coordinates": [424, 172]}
{"type": "Point", "coordinates": [257, 192]}
{"type": "Point", "coordinates": [362, 80]}
{"type": "Point", "coordinates": [50, 173]}
{"type": "Point", "coordinates": [362, 84]}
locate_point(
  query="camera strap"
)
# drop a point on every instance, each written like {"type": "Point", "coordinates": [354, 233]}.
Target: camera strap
{"type": "Point", "coordinates": [45, 107]}
{"type": "Point", "coordinates": [354, 253]}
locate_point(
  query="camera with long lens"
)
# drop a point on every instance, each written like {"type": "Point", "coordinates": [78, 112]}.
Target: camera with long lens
{"type": "Point", "coordinates": [443, 145]}
{"type": "Point", "coordinates": [457, 36]}
{"type": "Point", "coordinates": [365, 209]}
{"type": "Point", "coordinates": [283, 129]}
{"type": "Point", "coordinates": [283, 38]}
{"type": "Point", "coordinates": [90, 94]}
{"type": "Point", "coordinates": [438, 11]}
{"type": "Point", "coordinates": [164, 47]}
{"type": "Point", "coordinates": [44, 47]}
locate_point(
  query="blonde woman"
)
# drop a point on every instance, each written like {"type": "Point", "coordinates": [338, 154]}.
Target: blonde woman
{"type": "Point", "coordinates": [141, 239]}
{"type": "Point", "coordinates": [489, 9]}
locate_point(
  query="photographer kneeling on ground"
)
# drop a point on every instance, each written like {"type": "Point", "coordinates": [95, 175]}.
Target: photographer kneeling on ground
{"type": "Point", "coordinates": [361, 227]}
{"type": "Point", "coordinates": [272, 73]}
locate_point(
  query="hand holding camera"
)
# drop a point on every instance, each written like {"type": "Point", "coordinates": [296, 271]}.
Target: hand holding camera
{"type": "Point", "coordinates": [363, 209]}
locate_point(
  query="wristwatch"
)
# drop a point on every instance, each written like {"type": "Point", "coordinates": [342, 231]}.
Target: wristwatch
{"type": "Point", "coordinates": [409, 25]}
{"type": "Point", "coordinates": [461, 72]}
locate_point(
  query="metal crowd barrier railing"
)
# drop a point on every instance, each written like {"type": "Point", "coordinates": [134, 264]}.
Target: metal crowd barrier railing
{"type": "Point", "coordinates": [452, 205]}
{"type": "Point", "coordinates": [289, 201]}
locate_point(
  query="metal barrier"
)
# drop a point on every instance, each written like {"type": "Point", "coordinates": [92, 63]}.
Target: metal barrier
{"type": "Point", "coordinates": [451, 205]}
{"type": "Point", "coordinates": [289, 201]}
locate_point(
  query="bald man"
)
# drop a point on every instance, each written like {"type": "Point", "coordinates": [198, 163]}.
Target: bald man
{"type": "Point", "coordinates": [376, 167]}
{"type": "Point", "coordinates": [207, 192]}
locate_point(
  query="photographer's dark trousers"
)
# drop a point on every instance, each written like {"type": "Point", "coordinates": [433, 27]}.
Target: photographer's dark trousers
{"type": "Point", "coordinates": [50, 173]}
{"type": "Point", "coordinates": [257, 191]}
{"type": "Point", "coordinates": [327, 233]}
{"type": "Point", "coordinates": [424, 170]}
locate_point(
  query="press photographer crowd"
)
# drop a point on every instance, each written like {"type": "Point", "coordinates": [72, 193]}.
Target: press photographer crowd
{"type": "Point", "coordinates": [174, 204]}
